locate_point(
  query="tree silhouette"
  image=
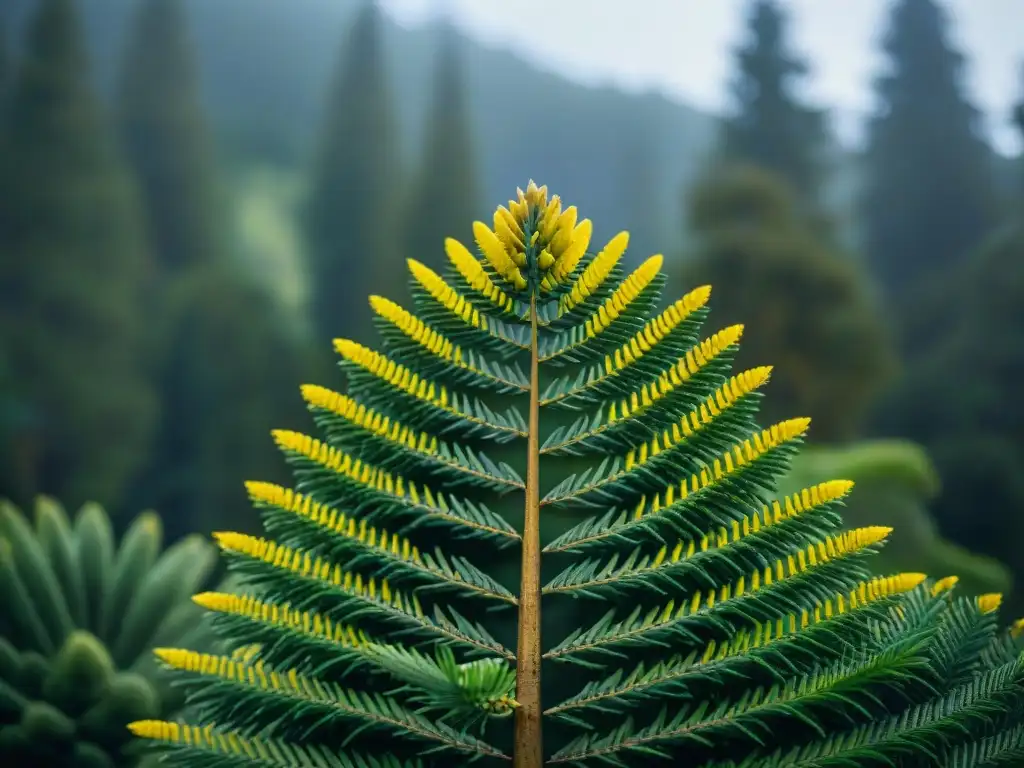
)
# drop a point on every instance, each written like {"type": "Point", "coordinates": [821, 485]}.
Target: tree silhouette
{"type": "Point", "coordinates": [960, 398]}
{"type": "Point", "coordinates": [165, 138]}
{"type": "Point", "coordinates": [219, 341]}
{"type": "Point", "coordinates": [354, 202]}
{"type": "Point", "coordinates": [770, 128]}
{"type": "Point", "coordinates": [808, 310]}
{"type": "Point", "coordinates": [444, 199]}
{"type": "Point", "coordinates": [72, 274]}
{"type": "Point", "coordinates": [928, 195]}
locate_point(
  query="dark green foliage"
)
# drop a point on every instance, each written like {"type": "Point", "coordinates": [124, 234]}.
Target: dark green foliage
{"type": "Point", "coordinates": [770, 128]}
{"type": "Point", "coordinates": [962, 401]}
{"type": "Point", "coordinates": [11, 408]}
{"type": "Point", "coordinates": [226, 357]}
{"type": "Point", "coordinates": [79, 615]}
{"type": "Point", "coordinates": [926, 161]}
{"type": "Point", "coordinates": [689, 616]}
{"type": "Point", "coordinates": [895, 483]}
{"type": "Point", "coordinates": [162, 127]}
{"type": "Point", "coordinates": [743, 198]}
{"type": "Point", "coordinates": [273, 108]}
{"type": "Point", "coordinates": [353, 217]}
{"type": "Point", "coordinates": [961, 398]}
{"type": "Point", "coordinates": [268, 110]}
{"type": "Point", "coordinates": [219, 344]}
{"type": "Point", "coordinates": [72, 271]}
{"type": "Point", "coordinates": [808, 309]}
{"type": "Point", "coordinates": [447, 162]}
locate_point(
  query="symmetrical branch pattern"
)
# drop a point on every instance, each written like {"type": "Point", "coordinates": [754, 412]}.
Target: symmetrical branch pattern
{"type": "Point", "coordinates": [391, 616]}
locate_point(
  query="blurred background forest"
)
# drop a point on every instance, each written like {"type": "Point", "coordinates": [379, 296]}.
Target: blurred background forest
{"type": "Point", "coordinates": [197, 195]}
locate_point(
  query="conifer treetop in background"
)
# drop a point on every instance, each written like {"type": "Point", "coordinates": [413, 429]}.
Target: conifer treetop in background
{"type": "Point", "coordinates": [73, 266]}
{"type": "Point", "coordinates": [160, 120]}
{"type": "Point", "coordinates": [447, 160]}
{"type": "Point", "coordinates": [352, 213]}
{"type": "Point", "coordinates": [929, 190]}
{"type": "Point", "coordinates": [769, 127]}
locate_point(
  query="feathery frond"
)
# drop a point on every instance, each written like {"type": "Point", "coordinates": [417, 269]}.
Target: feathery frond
{"type": "Point", "coordinates": [391, 616]}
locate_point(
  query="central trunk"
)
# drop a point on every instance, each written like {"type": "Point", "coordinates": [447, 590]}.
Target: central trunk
{"type": "Point", "coordinates": [528, 751]}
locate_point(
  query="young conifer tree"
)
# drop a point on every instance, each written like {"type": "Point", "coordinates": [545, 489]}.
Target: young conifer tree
{"type": "Point", "coordinates": [447, 157]}
{"type": "Point", "coordinates": [73, 267]}
{"type": "Point", "coordinates": [640, 598]}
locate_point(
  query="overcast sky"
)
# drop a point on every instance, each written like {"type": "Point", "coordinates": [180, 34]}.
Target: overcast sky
{"type": "Point", "coordinates": [682, 47]}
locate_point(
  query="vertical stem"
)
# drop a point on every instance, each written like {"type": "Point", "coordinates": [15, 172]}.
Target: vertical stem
{"type": "Point", "coordinates": [528, 751]}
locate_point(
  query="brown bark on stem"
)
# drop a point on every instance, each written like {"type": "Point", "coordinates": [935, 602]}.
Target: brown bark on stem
{"type": "Point", "coordinates": [528, 750]}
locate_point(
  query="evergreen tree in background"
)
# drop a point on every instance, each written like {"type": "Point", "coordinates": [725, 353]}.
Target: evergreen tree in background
{"type": "Point", "coordinates": [72, 274]}
{"type": "Point", "coordinates": [7, 66]}
{"type": "Point", "coordinates": [637, 179]}
{"type": "Point", "coordinates": [165, 138]}
{"type": "Point", "coordinates": [353, 210]}
{"type": "Point", "coordinates": [928, 194]}
{"type": "Point", "coordinates": [11, 408]}
{"type": "Point", "coordinates": [806, 309]}
{"type": "Point", "coordinates": [6, 72]}
{"type": "Point", "coordinates": [446, 163]}
{"type": "Point", "coordinates": [224, 379]}
{"type": "Point", "coordinates": [770, 128]}
{"type": "Point", "coordinates": [961, 399]}
{"type": "Point", "coordinates": [219, 349]}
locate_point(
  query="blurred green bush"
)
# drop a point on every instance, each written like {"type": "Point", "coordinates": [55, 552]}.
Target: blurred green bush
{"type": "Point", "coordinates": [894, 481]}
{"type": "Point", "coordinates": [78, 621]}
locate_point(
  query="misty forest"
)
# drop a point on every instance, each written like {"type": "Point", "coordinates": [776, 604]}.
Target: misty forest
{"type": "Point", "coordinates": [196, 197]}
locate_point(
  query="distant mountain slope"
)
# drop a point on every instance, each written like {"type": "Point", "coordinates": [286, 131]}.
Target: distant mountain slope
{"type": "Point", "coordinates": [266, 67]}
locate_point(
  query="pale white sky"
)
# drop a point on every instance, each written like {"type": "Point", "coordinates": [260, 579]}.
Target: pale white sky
{"type": "Point", "coordinates": [683, 47]}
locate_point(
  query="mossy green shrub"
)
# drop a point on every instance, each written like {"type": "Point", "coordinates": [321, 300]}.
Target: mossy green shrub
{"type": "Point", "coordinates": [440, 588]}
{"type": "Point", "coordinates": [894, 482]}
{"type": "Point", "coordinates": [79, 615]}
